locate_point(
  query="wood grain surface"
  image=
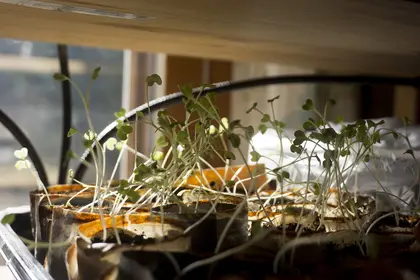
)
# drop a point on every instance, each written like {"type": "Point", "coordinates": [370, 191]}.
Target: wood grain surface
{"type": "Point", "coordinates": [363, 36]}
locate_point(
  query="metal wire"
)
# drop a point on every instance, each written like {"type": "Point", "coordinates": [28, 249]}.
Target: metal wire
{"type": "Point", "coordinates": [25, 142]}
{"type": "Point", "coordinates": [67, 112]}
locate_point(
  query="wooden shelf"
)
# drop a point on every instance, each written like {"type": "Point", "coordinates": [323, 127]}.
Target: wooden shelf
{"type": "Point", "coordinates": [363, 36]}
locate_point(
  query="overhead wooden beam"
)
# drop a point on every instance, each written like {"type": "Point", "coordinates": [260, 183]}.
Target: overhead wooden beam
{"type": "Point", "coordinates": [369, 36]}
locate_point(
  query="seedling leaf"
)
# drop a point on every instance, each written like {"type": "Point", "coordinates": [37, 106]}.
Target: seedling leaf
{"type": "Point", "coordinates": [153, 79]}
{"type": "Point", "coordinates": [72, 131]}
{"type": "Point", "coordinates": [95, 73]}
{"type": "Point", "coordinates": [8, 219]}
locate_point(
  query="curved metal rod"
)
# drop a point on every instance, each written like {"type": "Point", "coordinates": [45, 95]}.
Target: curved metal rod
{"type": "Point", "coordinates": [25, 142]}
{"type": "Point", "coordinates": [176, 98]}
{"type": "Point", "coordinates": [67, 110]}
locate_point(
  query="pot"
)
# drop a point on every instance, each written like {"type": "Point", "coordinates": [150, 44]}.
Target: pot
{"type": "Point", "coordinates": [138, 233]}
{"type": "Point", "coordinates": [41, 211]}
{"type": "Point", "coordinates": [207, 229]}
{"type": "Point", "coordinates": [233, 173]}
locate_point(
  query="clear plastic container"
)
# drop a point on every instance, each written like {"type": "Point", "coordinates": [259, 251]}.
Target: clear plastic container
{"type": "Point", "coordinates": [16, 254]}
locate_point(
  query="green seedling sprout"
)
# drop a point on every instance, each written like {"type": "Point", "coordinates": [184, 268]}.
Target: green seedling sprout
{"type": "Point", "coordinates": [183, 148]}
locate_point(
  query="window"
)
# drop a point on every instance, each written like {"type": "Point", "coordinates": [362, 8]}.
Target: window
{"type": "Point", "coordinates": [33, 99]}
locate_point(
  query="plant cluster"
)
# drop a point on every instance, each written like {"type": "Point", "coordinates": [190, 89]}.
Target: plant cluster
{"type": "Point", "coordinates": [184, 150]}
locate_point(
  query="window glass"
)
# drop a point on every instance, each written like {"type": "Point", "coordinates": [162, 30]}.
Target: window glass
{"type": "Point", "coordinates": [33, 99]}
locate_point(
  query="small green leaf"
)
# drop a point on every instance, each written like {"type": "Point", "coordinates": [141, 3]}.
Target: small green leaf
{"type": "Point", "coordinates": [87, 143]}
{"type": "Point", "coordinates": [175, 124]}
{"type": "Point", "coordinates": [273, 99]}
{"type": "Point", "coordinates": [142, 171]}
{"type": "Point", "coordinates": [119, 146]}
{"type": "Point", "coordinates": [255, 156]}
{"type": "Point", "coordinates": [329, 133]}
{"type": "Point", "coordinates": [95, 73]}
{"type": "Point", "coordinates": [317, 136]}
{"type": "Point", "coordinates": [234, 140]}
{"type": "Point", "coordinates": [60, 77]}
{"type": "Point", "coordinates": [124, 183]}
{"type": "Point", "coordinates": [127, 129]}
{"type": "Point", "coordinates": [395, 135]}
{"type": "Point", "coordinates": [182, 137]}
{"type": "Point", "coordinates": [319, 123]}
{"type": "Point", "coordinates": [157, 156]}
{"type": "Point", "coordinates": [121, 135]}
{"type": "Point", "coordinates": [381, 122]}
{"type": "Point", "coordinates": [263, 128]}
{"type": "Point", "coordinates": [187, 91]}
{"type": "Point", "coordinates": [265, 118]}
{"type": "Point", "coordinates": [327, 163]}
{"type": "Point", "coordinates": [119, 123]}
{"type": "Point", "coordinates": [72, 131]}
{"type": "Point", "coordinates": [163, 122]}
{"type": "Point", "coordinates": [329, 154]}
{"type": "Point", "coordinates": [161, 141]}
{"type": "Point", "coordinates": [344, 153]}
{"type": "Point", "coordinates": [252, 108]}
{"type": "Point", "coordinates": [279, 124]}
{"type": "Point", "coordinates": [120, 113]}
{"type": "Point", "coordinates": [360, 122]}
{"type": "Point", "coordinates": [317, 189]}
{"type": "Point", "coordinates": [371, 123]}
{"type": "Point", "coordinates": [340, 140]}
{"type": "Point", "coordinates": [376, 137]}
{"type": "Point", "coordinates": [71, 155]}
{"type": "Point", "coordinates": [189, 105]}
{"type": "Point", "coordinates": [139, 115]}
{"type": "Point", "coordinates": [300, 134]}
{"type": "Point", "coordinates": [309, 105]}
{"type": "Point", "coordinates": [200, 129]}
{"type": "Point", "coordinates": [235, 123]}
{"type": "Point", "coordinates": [229, 155]}
{"type": "Point", "coordinates": [297, 149]}
{"type": "Point", "coordinates": [211, 96]}
{"type": "Point", "coordinates": [300, 137]}
{"type": "Point", "coordinates": [132, 195]}
{"type": "Point", "coordinates": [285, 174]}
{"type": "Point", "coordinates": [249, 132]}
{"type": "Point", "coordinates": [153, 79]}
{"type": "Point", "coordinates": [367, 158]}
{"type": "Point", "coordinates": [308, 125]}
{"type": "Point", "coordinates": [162, 113]}
{"type": "Point", "coordinates": [8, 219]}
{"type": "Point", "coordinates": [298, 141]}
